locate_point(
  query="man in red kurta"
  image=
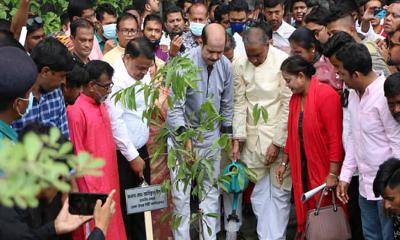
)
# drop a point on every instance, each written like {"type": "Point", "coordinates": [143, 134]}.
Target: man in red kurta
{"type": "Point", "coordinates": [90, 131]}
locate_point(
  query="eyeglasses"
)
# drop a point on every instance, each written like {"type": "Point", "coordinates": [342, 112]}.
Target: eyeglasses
{"type": "Point", "coordinates": [106, 87]}
{"type": "Point", "coordinates": [126, 31]}
{"type": "Point", "coordinates": [37, 20]}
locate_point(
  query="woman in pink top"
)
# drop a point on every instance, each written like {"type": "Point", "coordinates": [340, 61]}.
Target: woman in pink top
{"type": "Point", "coordinates": [303, 43]}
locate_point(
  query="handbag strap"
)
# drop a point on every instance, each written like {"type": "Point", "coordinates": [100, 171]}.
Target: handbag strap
{"type": "Point", "coordinates": [318, 206]}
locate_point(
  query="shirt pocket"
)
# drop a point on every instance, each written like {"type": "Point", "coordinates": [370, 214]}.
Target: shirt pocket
{"type": "Point", "coordinates": [370, 122]}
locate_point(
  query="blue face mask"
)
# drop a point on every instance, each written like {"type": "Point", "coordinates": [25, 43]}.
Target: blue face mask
{"type": "Point", "coordinates": [30, 103]}
{"type": "Point", "coordinates": [237, 27]}
{"type": "Point", "coordinates": [110, 31]}
{"type": "Point", "coordinates": [196, 28]}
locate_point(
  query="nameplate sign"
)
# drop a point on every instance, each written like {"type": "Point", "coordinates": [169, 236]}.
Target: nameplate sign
{"type": "Point", "coordinates": [142, 199]}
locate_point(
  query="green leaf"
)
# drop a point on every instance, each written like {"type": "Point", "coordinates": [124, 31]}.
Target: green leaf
{"type": "Point", "coordinates": [264, 114]}
{"type": "Point", "coordinates": [256, 114]}
{"type": "Point", "coordinates": [213, 215]}
{"type": "Point", "coordinates": [171, 161]}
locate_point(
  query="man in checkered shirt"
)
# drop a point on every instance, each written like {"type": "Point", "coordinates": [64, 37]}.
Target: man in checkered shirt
{"type": "Point", "coordinates": [53, 62]}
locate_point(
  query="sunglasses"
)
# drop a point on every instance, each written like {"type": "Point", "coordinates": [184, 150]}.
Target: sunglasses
{"type": "Point", "coordinates": [37, 20]}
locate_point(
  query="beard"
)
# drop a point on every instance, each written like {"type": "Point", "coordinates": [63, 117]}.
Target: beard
{"type": "Point", "coordinates": [396, 117]}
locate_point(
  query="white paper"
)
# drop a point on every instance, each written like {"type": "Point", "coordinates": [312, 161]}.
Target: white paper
{"type": "Point", "coordinates": [22, 36]}
{"type": "Point", "coordinates": [312, 192]}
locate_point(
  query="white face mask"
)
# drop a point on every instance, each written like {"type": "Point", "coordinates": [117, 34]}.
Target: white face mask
{"type": "Point", "coordinates": [30, 103]}
{"type": "Point", "coordinates": [196, 28]}
{"type": "Point", "coordinates": [110, 31]}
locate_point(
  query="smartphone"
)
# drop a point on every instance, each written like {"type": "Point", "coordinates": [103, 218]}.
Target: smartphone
{"type": "Point", "coordinates": [380, 13]}
{"type": "Point", "coordinates": [84, 203]}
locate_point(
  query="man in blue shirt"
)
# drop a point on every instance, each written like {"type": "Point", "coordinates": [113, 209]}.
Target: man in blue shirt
{"type": "Point", "coordinates": [53, 61]}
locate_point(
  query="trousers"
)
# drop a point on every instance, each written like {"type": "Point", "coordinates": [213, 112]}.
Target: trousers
{"type": "Point", "coordinates": [375, 224]}
{"type": "Point", "coordinates": [134, 223]}
{"type": "Point", "coordinates": [210, 203]}
{"type": "Point", "coordinates": [271, 205]}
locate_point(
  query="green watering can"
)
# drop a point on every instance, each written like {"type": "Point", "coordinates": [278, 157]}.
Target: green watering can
{"type": "Point", "coordinates": [236, 171]}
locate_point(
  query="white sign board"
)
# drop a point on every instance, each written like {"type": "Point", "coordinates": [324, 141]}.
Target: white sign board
{"type": "Point", "coordinates": [142, 199]}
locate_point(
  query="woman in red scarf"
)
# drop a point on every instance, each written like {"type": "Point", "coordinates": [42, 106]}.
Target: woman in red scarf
{"type": "Point", "coordinates": [314, 142]}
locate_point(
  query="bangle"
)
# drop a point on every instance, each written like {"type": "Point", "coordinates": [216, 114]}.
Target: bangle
{"type": "Point", "coordinates": [334, 175]}
{"type": "Point", "coordinates": [284, 164]}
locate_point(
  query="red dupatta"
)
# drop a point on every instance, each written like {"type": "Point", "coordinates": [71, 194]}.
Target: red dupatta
{"type": "Point", "coordinates": [322, 136]}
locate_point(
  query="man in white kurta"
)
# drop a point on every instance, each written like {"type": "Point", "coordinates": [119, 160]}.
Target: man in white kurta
{"type": "Point", "coordinates": [258, 80]}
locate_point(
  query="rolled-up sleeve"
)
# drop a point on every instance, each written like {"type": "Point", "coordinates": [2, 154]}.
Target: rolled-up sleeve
{"type": "Point", "coordinates": [119, 128]}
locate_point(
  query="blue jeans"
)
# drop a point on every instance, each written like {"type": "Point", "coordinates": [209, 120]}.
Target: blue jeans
{"type": "Point", "coordinates": [375, 224]}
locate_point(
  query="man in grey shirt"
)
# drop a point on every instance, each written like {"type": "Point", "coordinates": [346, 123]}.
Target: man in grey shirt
{"type": "Point", "coordinates": [216, 84]}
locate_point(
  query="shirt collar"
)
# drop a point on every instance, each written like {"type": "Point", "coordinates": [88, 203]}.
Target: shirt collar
{"type": "Point", "coordinates": [87, 99]}
{"type": "Point", "coordinates": [285, 29]}
{"type": "Point", "coordinates": [8, 132]}
{"type": "Point", "coordinates": [371, 87]}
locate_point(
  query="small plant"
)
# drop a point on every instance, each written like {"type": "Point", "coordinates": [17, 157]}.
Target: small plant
{"type": "Point", "coordinates": [38, 162]}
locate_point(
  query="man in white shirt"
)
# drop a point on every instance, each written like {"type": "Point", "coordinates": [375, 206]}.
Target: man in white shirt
{"type": "Point", "coordinates": [274, 11]}
{"type": "Point", "coordinates": [130, 132]}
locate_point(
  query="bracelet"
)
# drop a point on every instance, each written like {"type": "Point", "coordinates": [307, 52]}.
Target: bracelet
{"type": "Point", "coordinates": [284, 164]}
{"type": "Point", "coordinates": [334, 175]}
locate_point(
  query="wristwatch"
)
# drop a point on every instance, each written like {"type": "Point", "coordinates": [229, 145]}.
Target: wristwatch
{"type": "Point", "coordinates": [284, 164]}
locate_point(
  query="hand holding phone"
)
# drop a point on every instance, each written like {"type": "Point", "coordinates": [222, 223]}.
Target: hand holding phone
{"type": "Point", "coordinates": [84, 203]}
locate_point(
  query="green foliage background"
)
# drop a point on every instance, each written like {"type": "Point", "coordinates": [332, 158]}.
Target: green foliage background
{"type": "Point", "coordinates": [50, 10]}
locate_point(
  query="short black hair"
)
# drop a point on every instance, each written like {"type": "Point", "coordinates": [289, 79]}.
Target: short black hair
{"type": "Point", "coordinates": [51, 53]}
{"type": "Point", "coordinates": [77, 77]}
{"type": "Point", "coordinates": [238, 6]}
{"type": "Point", "coordinates": [105, 8]}
{"type": "Point", "coordinates": [230, 42]}
{"type": "Point", "coordinates": [345, 5]}
{"type": "Point", "coordinates": [339, 11]}
{"type": "Point", "coordinates": [96, 68]}
{"type": "Point", "coordinates": [355, 57]}
{"type": "Point", "coordinates": [126, 16]}
{"type": "Point", "coordinates": [138, 47]}
{"type": "Point", "coordinates": [338, 40]}
{"type": "Point", "coordinates": [76, 8]}
{"type": "Point", "coordinates": [140, 5]}
{"type": "Point", "coordinates": [213, 3]}
{"type": "Point", "coordinates": [152, 17]}
{"type": "Point", "coordinates": [80, 23]}
{"type": "Point", "coordinates": [221, 10]}
{"type": "Point", "coordinates": [305, 38]}
{"type": "Point", "coordinates": [295, 1]}
{"type": "Point", "coordinates": [172, 9]}
{"type": "Point", "coordinates": [273, 3]}
{"type": "Point", "coordinates": [318, 15]}
{"type": "Point", "coordinates": [64, 19]}
{"type": "Point", "coordinates": [392, 85]}
{"type": "Point", "coordinates": [35, 25]}
{"type": "Point", "coordinates": [297, 64]}
{"type": "Point", "coordinates": [388, 175]}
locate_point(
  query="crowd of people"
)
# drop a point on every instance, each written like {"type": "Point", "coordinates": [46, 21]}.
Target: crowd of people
{"type": "Point", "coordinates": [327, 72]}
